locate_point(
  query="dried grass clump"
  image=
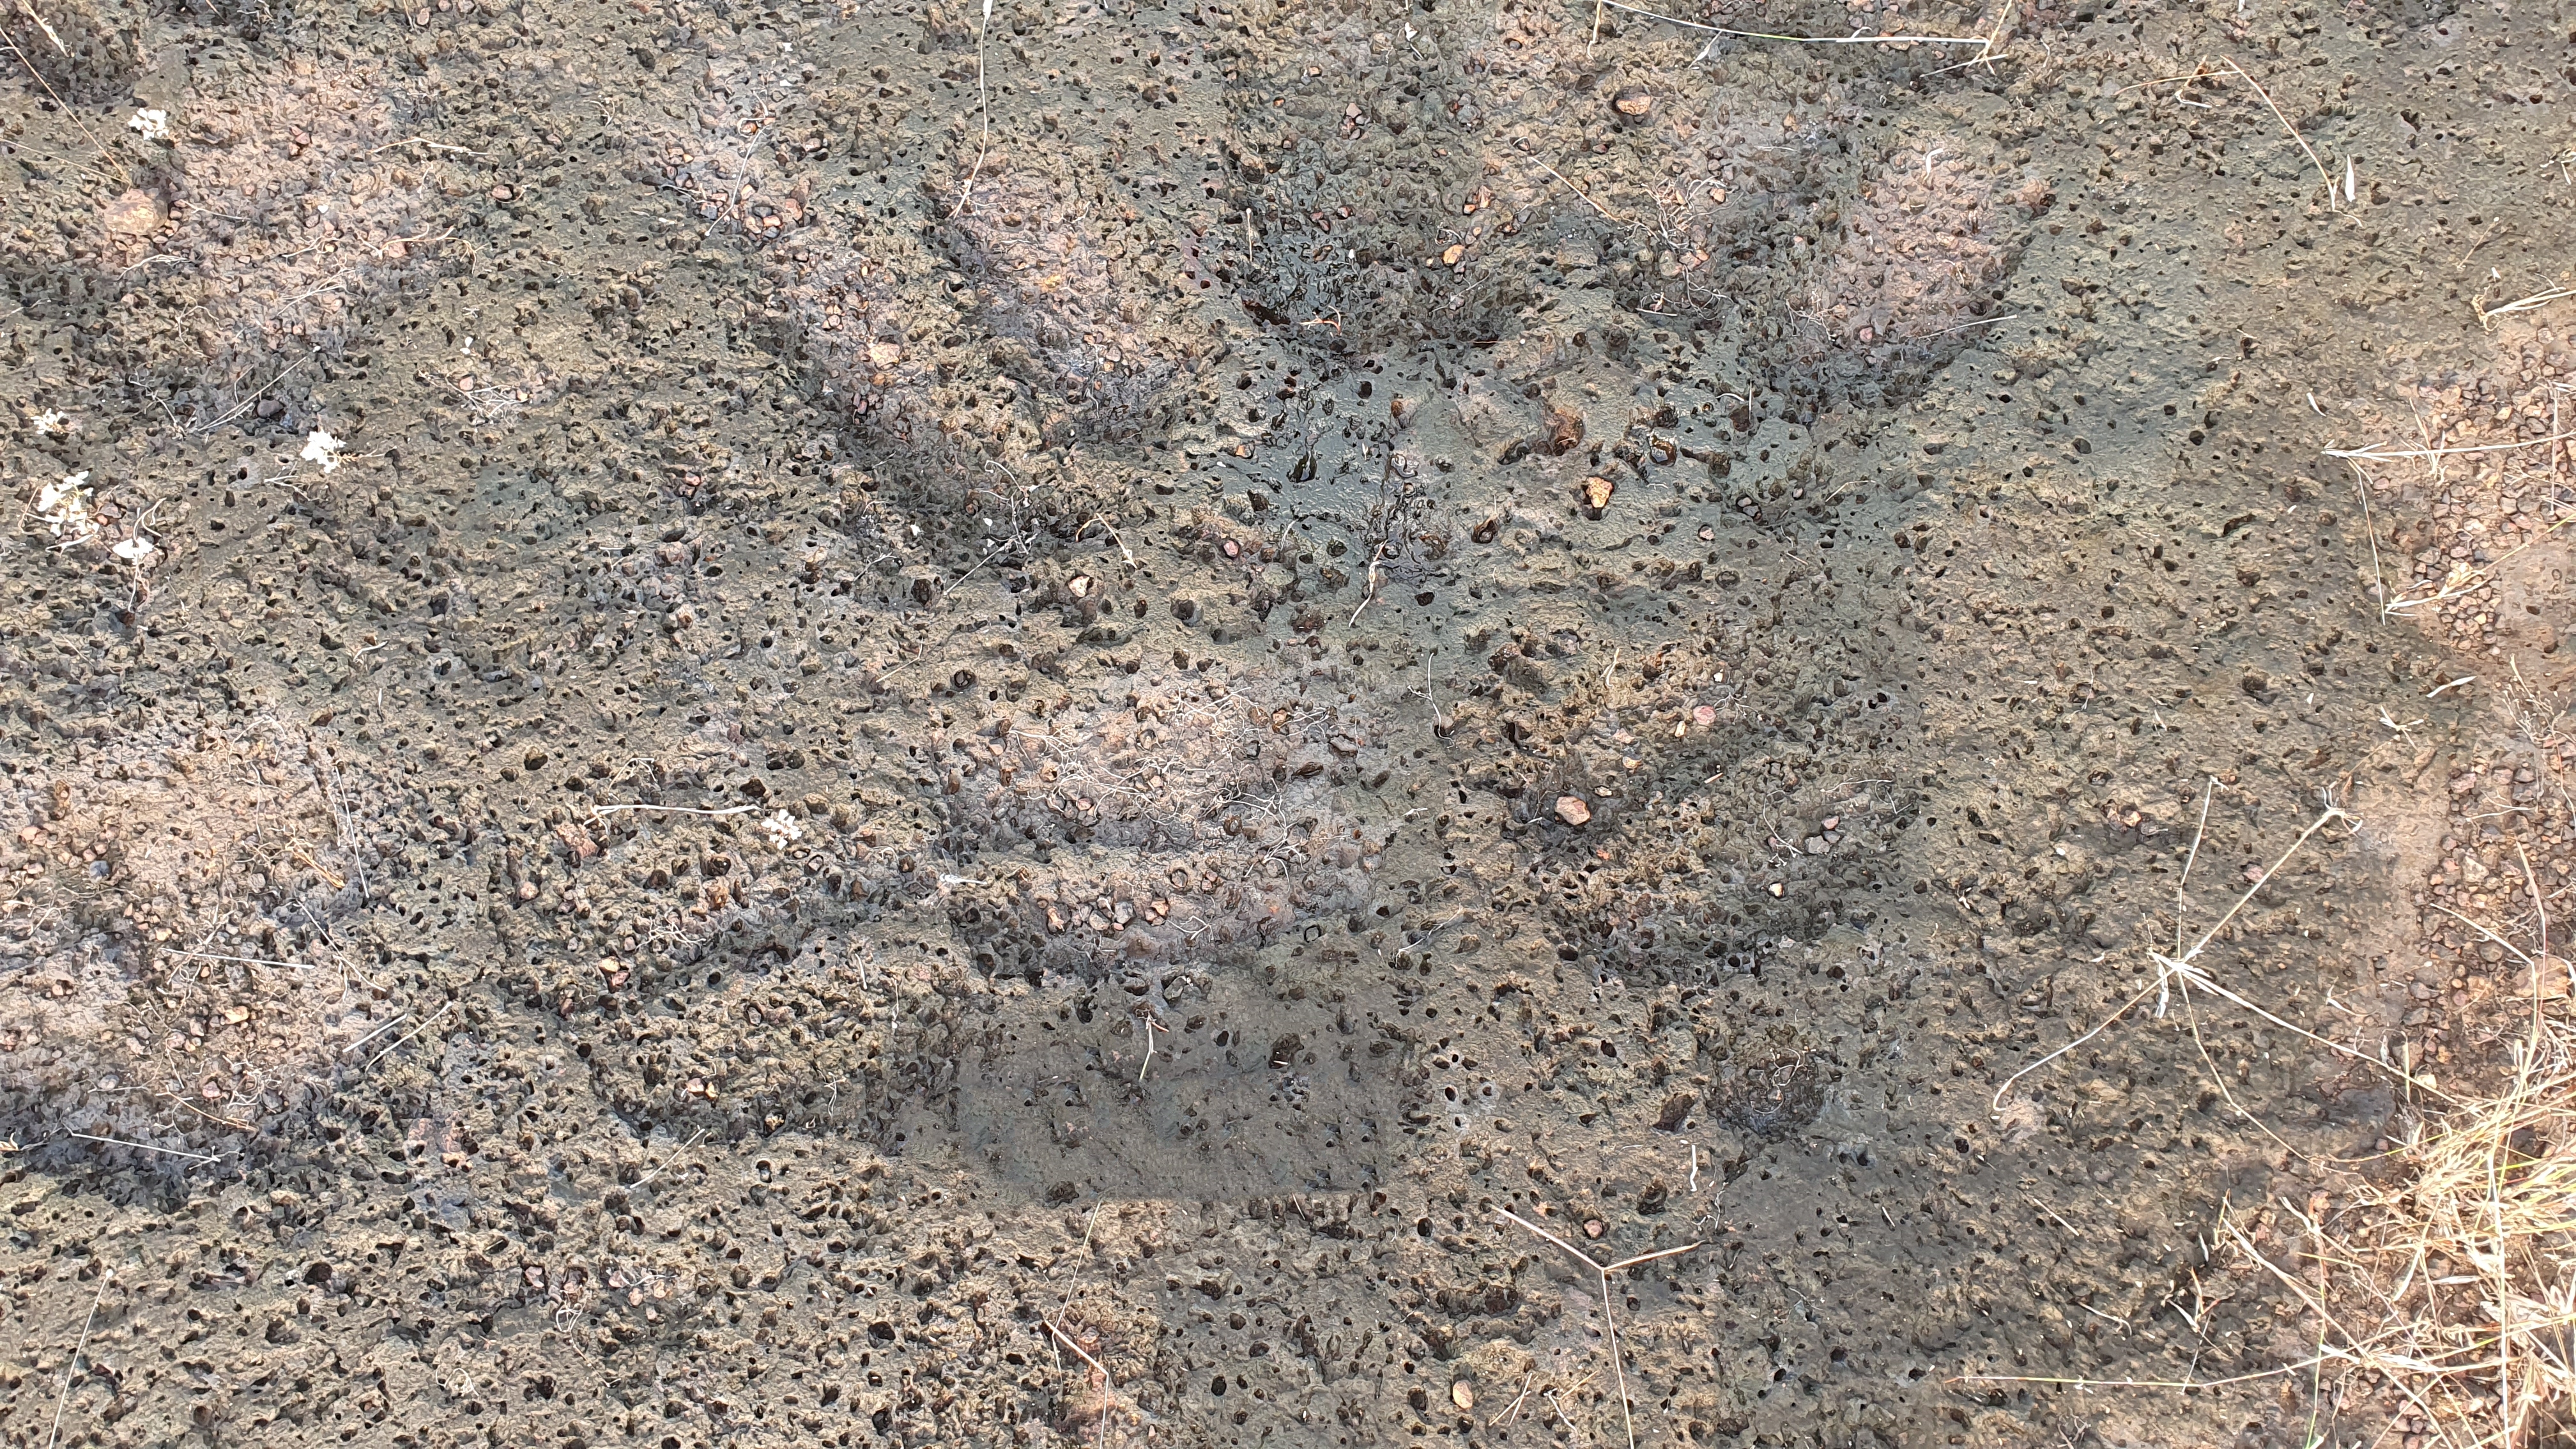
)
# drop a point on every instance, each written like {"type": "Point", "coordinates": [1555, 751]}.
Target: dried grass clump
{"type": "Point", "coordinates": [1900, 288]}
{"type": "Point", "coordinates": [2451, 1273]}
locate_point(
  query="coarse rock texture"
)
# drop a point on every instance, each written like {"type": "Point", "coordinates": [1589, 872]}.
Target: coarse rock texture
{"type": "Point", "coordinates": [883, 724]}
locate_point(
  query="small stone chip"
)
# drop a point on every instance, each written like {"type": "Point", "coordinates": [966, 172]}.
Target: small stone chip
{"type": "Point", "coordinates": [1450, 257]}
{"type": "Point", "coordinates": [1564, 430]}
{"type": "Point", "coordinates": [135, 213]}
{"type": "Point", "coordinates": [1596, 493]}
{"type": "Point", "coordinates": [1572, 810]}
{"type": "Point", "coordinates": [1634, 102]}
{"type": "Point", "coordinates": [1461, 1395]}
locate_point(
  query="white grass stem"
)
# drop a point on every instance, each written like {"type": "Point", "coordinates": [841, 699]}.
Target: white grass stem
{"type": "Point", "coordinates": [602, 810]}
{"type": "Point", "coordinates": [144, 1147]}
{"type": "Point", "coordinates": [1609, 1318]}
{"type": "Point", "coordinates": [2377, 454]}
{"type": "Point", "coordinates": [73, 1367]}
{"type": "Point", "coordinates": [239, 960]}
{"type": "Point", "coordinates": [1977, 40]}
{"type": "Point", "coordinates": [407, 1036]}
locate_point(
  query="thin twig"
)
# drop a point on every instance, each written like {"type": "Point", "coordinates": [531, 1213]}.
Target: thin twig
{"type": "Point", "coordinates": [1804, 39]}
{"type": "Point", "coordinates": [1609, 1319]}
{"type": "Point", "coordinates": [598, 810]}
{"type": "Point", "coordinates": [2206, 791]}
{"type": "Point", "coordinates": [1108, 1389]}
{"type": "Point", "coordinates": [984, 105]}
{"type": "Point", "coordinates": [2231, 64]}
{"type": "Point", "coordinates": [144, 1147]}
{"type": "Point", "coordinates": [70, 1368]}
{"type": "Point", "coordinates": [2377, 454]}
{"type": "Point", "coordinates": [252, 400]}
{"type": "Point", "coordinates": [2188, 1384]}
{"type": "Point", "coordinates": [379, 1031]}
{"type": "Point", "coordinates": [1103, 521]}
{"type": "Point", "coordinates": [1980, 322]}
{"type": "Point", "coordinates": [239, 960]}
{"type": "Point", "coordinates": [1577, 190]}
{"type": "Point", "coordinates": [407, 1036]}
{"type": "Point", "coordinates": [433, 145]}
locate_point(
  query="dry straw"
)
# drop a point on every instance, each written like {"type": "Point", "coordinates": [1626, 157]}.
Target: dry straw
{"type": "Point", "coordinates": [1609, 1318]}
{"type": "Point", "coordinates": [2447, 1273]}
{"type": "Point", "coordinates": [2450, 1271]}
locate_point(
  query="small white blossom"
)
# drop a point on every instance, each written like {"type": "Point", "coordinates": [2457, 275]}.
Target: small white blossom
{"type": "Point", "coordinates": [64, 506]}
{"type": "Point", "coordinates": [782, 830]}
{"type": "Point", "coordinates": [323, 449]}
{"type": "Point", "coordinates": [52, 421]}
{"type": "Point", "coordinates": [150, 124]}
{"type": "Point", "coordinates": [135, 550]}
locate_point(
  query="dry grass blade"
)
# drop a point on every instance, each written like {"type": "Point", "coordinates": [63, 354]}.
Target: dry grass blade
{"type": "Point", "coordinates": [1606, 214]}
{"type": "Point", "coordinates": [2370, 530]}
{"type": "Point", "coordinates": [1108, 1389]}
{"type": "Point", "coordinates": [144, 1147]}
{"type": "Point", "coordinates": [123, 176]}
{"type": "Point", "coordinates": [2202, 72]}
{"type": "Point", "coordinates": [407, 1036]}
{"type": "Point", "coordinates": [2467, 1253]}
{"type": "Point", "coordinates": [72, 1366]}
{"type": "Point", "coordinates": [1609, 1320]}
{"type": "Point", "coordinates": [1978, 40]}
{"type": "Point", "coordinates": [2277, 114]}
{"type": "Point", "coordinates": [2377, 454]}
{"type": "Point", "coordinates": [2487, 314]}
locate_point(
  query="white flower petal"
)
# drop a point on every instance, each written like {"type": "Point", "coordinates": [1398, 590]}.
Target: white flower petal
{"type": "Point", "coordinates": [323, 449]}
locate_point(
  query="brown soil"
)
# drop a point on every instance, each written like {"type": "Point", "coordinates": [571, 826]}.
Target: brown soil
{"type": "Point", "coordinates": [963, 691]}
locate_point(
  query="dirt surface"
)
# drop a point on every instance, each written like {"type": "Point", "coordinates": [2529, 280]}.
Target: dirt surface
{"type": "Point", "coordinates": [905, 725]}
